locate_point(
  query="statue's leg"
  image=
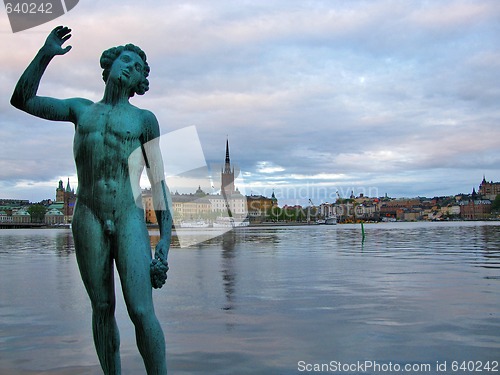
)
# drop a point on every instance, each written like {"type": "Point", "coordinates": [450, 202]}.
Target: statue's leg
{"type": "Point", "coordinates": [93, 253]}
{"type": "Point", "coordinates": [133, 261]}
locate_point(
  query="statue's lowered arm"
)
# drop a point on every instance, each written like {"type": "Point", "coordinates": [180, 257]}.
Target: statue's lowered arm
{"type": "Point", "coordinates": [161, 200]}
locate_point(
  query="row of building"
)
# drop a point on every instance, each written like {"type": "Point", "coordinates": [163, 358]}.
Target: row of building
{"type": "Point", "coordinates": [14, 211]}
{"type": "Point", "coordinates": [60, 211]}
{"type": "Point", "coordinates": [208, 207]}
{"type": "Point", "coordinates": [475, 206]}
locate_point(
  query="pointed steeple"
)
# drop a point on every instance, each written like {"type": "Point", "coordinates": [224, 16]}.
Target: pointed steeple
{"type": "Point", "coordinates": [227, 164]}
{"type": "Point", "coordinates": [68, 188]}
{"type": "Point", "coordinates": [227, 176]}
{"type": "Point", "coordinates": [274, 199]}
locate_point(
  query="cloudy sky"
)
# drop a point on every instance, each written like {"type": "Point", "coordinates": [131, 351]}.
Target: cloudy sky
{"type": "Point", "coordinates": [316, 97]}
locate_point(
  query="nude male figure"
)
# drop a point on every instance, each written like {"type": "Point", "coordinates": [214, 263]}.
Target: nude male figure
{"type": "Point", "coordinates": [108, 227]}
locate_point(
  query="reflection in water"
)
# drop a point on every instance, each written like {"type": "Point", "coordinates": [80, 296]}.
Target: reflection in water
{"type": "Point", "coordinates": [228, 268]}
{"type": "Point", "coordinates": [258, 300]}
{"type": "Point", "coordinates": [64, 244]}
{"type": "Point", "coordinates": [491, 250]}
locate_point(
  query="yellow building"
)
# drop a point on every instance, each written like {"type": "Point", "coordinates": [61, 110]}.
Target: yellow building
{"type": "Point", "coordinates": [258, 206]}
{"type": "Point", "coordinates": [191, 206]}
{"type": "Point", "coordinates": [185, 206]}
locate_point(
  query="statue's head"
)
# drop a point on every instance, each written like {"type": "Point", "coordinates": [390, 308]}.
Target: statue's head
{"type": "Point", "coordinates": [109, 56]}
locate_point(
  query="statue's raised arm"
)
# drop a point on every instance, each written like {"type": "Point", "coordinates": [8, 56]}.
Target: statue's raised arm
{"type": "Point", "coordinates": [25, 94]}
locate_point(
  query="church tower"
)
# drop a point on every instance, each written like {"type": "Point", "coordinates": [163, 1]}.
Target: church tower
{"type": "Point", "coordinates": [227, 176]}
{"type": "Point", "coordinates": [60, 192]}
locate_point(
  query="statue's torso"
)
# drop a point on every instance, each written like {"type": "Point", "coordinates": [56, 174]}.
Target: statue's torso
{"type": "Point", "coordinates": [104, 139]}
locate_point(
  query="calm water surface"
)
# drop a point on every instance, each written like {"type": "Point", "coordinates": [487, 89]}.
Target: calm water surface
{"type": "Point", "coordinates": [259, 300]}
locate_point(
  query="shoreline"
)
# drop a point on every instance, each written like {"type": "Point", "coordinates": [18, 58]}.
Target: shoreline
{"type": "Point", "coordinates": [251, 225]}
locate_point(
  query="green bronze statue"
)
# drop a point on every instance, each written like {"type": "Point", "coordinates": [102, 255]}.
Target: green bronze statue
{"type": "Point", "coordinates": [108, 226]}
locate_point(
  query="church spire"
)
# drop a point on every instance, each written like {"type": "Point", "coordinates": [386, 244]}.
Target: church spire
{"type": "Point", "coordinates": [227, 165]}
{"type": "Point", "coordinates": [227, 177]}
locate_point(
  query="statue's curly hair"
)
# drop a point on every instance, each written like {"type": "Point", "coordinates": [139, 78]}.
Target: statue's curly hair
{"type": "Point", "coordinates": [111, 54]}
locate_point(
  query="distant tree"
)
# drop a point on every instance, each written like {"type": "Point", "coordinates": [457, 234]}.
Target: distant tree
{"type": "Point", "coordinates": [495, 205]}
{"type": "Point", "coordinates": [37, 212]}
{"type": "Point", "coordinates": [301, 215]}
{"type": "Point", "coordinates": [290, 214]}
{"type": "Point", "coordinates": [275, 213]}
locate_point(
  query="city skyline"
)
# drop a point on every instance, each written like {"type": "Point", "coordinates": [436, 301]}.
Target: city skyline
{"type": "Point", "coordinates": [317, 97]}
{"type": "Point", "coordinates": [302, 200]}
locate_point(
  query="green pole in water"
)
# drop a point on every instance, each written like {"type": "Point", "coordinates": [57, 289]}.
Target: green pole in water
{"type": "Point", "coordinates": [362, 231]}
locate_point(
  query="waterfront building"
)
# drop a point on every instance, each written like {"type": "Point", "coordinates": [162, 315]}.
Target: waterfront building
{"type": "Point", "coordinates": [236, 204]}
{"type": "Point", "coordinates": [259, 206]}
{"type": "Point", "coordinates": [191, 207]}
{"type": "Point", "coordinates": [21, 216]}
{"type": "Point", "coordinates": [326, 210]}
{"type": "Point", "coordinates": [54, 217]}
{"type": "Point", "coordinates": [184, 206]}
{"type": "Point", "coordinates": [368, 210]}
{"type": "Point", "coordinates": [5, 218]}
{"type": "Point", "coordinates": [409, 214]}
{"type": "Point", "coordinates": [489, 190]}
{"type": "Point", "coordinates": [9, 207]}
{"type": "Point", "coordinates": [389, 208]}
{"type": "Point", "coordinates": [475, 209]}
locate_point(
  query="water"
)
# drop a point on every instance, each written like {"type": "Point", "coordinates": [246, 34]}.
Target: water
{"type": "Point", "coordinates": [269, 300]}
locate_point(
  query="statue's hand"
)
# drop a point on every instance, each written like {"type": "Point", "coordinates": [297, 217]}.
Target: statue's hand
{"type": "Point", "coordinates": [159, 265]}
{"type": "Point", "coordinates": [53, 43]}
{"type": "Point", "coordinates": [158, 273]}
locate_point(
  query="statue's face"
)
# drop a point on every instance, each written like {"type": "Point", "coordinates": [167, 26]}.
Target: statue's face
{"type": "Point", "coordinates": [127, 69]}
